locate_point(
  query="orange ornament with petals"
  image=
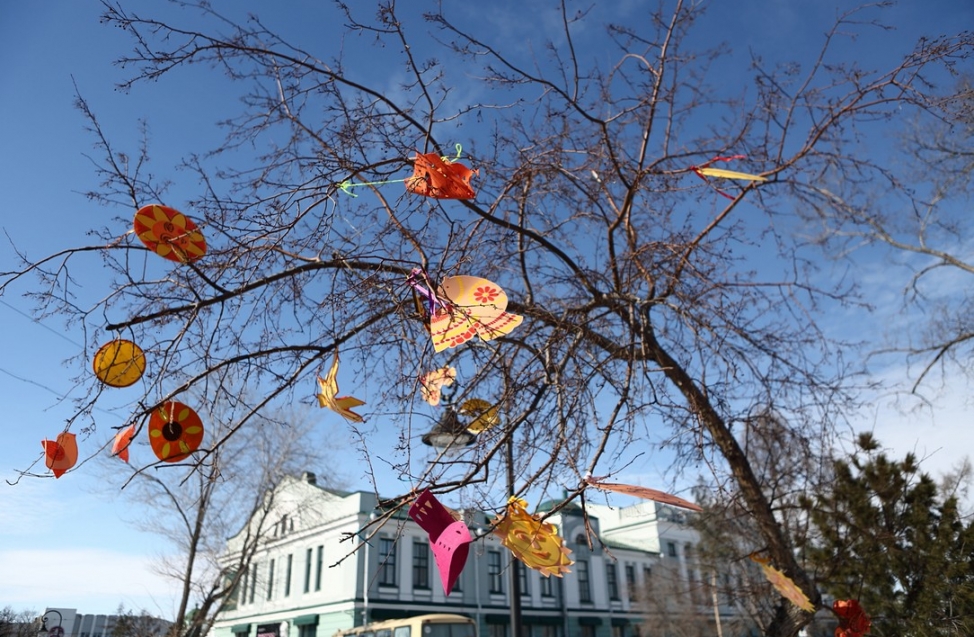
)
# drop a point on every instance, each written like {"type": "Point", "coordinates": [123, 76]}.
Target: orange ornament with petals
{"type": "Point", "coordinates": [434, 176]}
{"type": "Point", "coordinates": [175, 431]}
{"type": "Point", "coordinates": [853, 620]}
{"type": "Point", "coordinates": [169, 233]}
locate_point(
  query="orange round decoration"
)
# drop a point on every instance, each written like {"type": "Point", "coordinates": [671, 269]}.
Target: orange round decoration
{"type": "Point", "coordinates": [169, 233]}
{"type": "Point", "coordinates": [119, 363]}
{"type": "Point", "coordinates": [175, 431]}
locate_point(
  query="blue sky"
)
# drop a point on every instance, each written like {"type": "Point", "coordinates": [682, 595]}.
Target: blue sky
{"type": "Point", "coordinates": [67, 542]}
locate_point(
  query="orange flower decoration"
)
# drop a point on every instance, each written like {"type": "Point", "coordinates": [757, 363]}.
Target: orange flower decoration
{"type": "Point", "coordinates": [169, 233]}
{"type": "Point", "coordinates": [853, 620]}
{"type": "Point", "coordinates": [434, 176]}
{"type": "Point", "coordinates": [61, 454]}
{"type": "Point", "coordinates": [784, 585]}
{"type": "Point", "coordinates": [536, 543]}
{"type": "Point", "coordinates": [175, 431]}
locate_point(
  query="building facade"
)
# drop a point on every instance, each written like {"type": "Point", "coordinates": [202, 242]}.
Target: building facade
{"type": "Point", "coordinates": [308, 579]}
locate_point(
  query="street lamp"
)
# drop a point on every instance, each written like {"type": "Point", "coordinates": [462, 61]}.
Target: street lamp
{"type": "Point", "coordinates": [449, 432]}
{"type": "Point", "coordinates": [57, 631]}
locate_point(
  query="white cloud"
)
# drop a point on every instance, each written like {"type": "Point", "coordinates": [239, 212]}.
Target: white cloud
{"type": "Point", "coordinates": [92, 580]}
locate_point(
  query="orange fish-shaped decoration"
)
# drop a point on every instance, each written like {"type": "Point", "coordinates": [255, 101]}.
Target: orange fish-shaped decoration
{"type": "Point", "coordinates": [472, 307]}
{"type": "Point", "coordinates": [60, 454]}
{"type": "Point", "coordinates": [328, 390]}
{"type": "Point", "coordinates": [643, 492]}
{"type": "Point", "coordinates": [169, 233]}
{"type": "Point", "coordinates": [783, 584]}
{"type": "Point", "coordinates": [438, 177]}
{"type": "Point", "coordinates": [532, 541]}
{"type": "Point", "coordinates": [175, 431]}
{"type": "Point", "coordinates": [120, 448]}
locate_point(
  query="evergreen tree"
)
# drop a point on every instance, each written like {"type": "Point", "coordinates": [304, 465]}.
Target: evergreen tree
{"type": "Point", "coordinates": [884, 534]}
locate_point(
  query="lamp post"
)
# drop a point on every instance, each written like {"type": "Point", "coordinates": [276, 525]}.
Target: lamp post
{"type": "Point", "coordinates": [515, 567]}
{"type": "Point", "coordinates": [450, 432]}
{"type": "Point", "coordinates": [57, 631]}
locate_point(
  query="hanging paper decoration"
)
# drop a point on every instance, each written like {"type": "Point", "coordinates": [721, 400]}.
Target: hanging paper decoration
{"type": "Point", "coordinates": [536, 543]}
{"type": "Point", "coordinates": [703, 171]}
{"type": "Point", "coordinates": [473, 306]}
{"type": "Point", "coordinates": [120, 448]}
{"type": "Point", "coordinates": [783, 584]}
{"type": "Point", "coordinates": [169, 233]}
{"type": "Point", "coordinates": [175, 431]}
{"type": "Point", "coordinates": [449, 537]}
{"type": "Point", "coordinates": [60, 454]}
{"type": "Point", "coordinates": [119, 363]}
{"type": "Point", "coordinates": [439, 177]}
{"type": "Point", "coordinates": [483, 413]}
{"type": "Point", "coordinates": [643, 492]}
{"type": "Point", "coordinates": [328, 390]}
{"type": "Point", "coordinates": [853, 620]}
{"type": "Point", "coordinates": [432, 382]}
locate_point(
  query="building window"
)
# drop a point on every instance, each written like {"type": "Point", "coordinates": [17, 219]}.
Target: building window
{"type": "Point", "coordinates": [270, 580]}
{"type": "Point", "coordinates": [618, 631]}
{"type": "Point", "coordinates": [421, 565]}
{"type": "Point", "coordinates": [494, 572]}
{"type": "Point", "coordinates": [671, 549]}
{"type": "Point", "coordinates": [287, 576]}
{"type": "Point", "coordinates": [523, 581]}
{"type": "Point", "coordinates": [320, 563]}
{"type": "Point", "coordinates": [586, 631]}
{"type": "Point", "coordinates": [612, 579]}
{"type": "Point", "coordinates": [387, 562]}
{"type": "Point", "coordinates": [307, 571]}
{"type": "Point", "coordinates": [647, 576]}
{"type": "Point", "coordinates": [308, 630]}
{"type": "Point", "coordinates": [546, 587]}
{"type": "Point", "coordinates": [631, 581]}
{"type": "Point", "coordinates": [253, 582]}
{"type": "Point", "coordinates": [584, 586]}
{"type": "Point", "coordinates": [456, 585]}
{"type": "Point", "coordinates": [496, 630]}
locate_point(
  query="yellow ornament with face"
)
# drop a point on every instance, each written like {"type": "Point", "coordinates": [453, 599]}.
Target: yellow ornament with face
{"type": "Point", "coordinates": [536, 543]}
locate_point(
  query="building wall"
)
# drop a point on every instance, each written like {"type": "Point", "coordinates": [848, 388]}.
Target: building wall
{"type": "Point", "coordinates": [640, 537]}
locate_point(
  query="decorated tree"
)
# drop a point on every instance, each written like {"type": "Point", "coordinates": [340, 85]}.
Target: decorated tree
{"type": "Point", "coordinates": [612, 251]}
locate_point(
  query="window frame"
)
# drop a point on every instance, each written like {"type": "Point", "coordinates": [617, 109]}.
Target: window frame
{"type": "Point", "coordinates": [387, 562]}
{"type": "Point", "coordinates": [421, 565]}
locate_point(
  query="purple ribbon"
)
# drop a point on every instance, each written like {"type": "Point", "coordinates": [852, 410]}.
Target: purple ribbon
{"type": "Point", "coordinates": [420, 281]}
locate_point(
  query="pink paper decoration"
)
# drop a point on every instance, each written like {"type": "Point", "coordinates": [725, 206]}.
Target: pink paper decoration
{"type": "Point", "coordinates": [449, 538]}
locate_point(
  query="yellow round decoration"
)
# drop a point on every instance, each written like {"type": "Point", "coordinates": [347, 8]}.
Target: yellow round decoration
{"type": "Point", "coordinates": [119, 363]}
{"type": "Point", "coordinates": [536, 543]}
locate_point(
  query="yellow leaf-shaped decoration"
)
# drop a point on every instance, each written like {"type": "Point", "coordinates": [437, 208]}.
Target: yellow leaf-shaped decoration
{"type": "Point", "coordinates": [328, 388]}
{"type": "Point", "coordinates": [783, 584]}
{"type": "Point", "coordinates": [729, 174]}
